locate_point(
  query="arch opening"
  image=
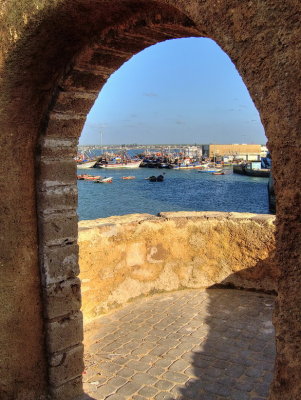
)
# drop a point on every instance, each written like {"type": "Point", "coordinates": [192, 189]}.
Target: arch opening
{"type": "Point", "coordinates": [177, 95]}
{"type": "Point", "coordinates": [111, 279]}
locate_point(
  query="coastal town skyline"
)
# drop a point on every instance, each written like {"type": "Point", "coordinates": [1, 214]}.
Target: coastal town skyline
{"type": "Point", "coordinates": [178, 91]}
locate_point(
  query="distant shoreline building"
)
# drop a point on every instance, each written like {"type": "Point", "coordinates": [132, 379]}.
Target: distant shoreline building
{"type": "Point", "coordinates": [247, 152]}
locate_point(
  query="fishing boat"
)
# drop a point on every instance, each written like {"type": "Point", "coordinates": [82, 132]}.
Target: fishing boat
{"type": "Point", "coordinates": [212, 170]}
{"type": "Point", "coordinates": [123, 164]}
{"type": "Point", "coordinates": [187, 166]}
{"type": "Point", "coordinates": [86, 177]}
{"type": "Point", "coordinates": [93, 178]}
{"type": "Point", "coordinates": [85, 160]}
{"type": "Point", "coordinates": [218, 173]}
{"type": "Point", "coordinates": [85, 164]}
{"type": "Point", "coordinates": [104, 180]}
{"type": "Point", "coordinates": [81, 177]}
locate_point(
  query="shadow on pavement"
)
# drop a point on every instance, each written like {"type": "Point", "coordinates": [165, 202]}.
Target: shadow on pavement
{"type": "Point", "coordinates": [236, 358]}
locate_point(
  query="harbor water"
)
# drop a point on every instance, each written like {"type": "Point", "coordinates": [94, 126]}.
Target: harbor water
{"type": "Point", "coordinates": [184, 190]}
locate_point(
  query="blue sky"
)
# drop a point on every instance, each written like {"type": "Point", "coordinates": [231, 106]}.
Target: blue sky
{"type": "Point", "coordinates": [178, 91]}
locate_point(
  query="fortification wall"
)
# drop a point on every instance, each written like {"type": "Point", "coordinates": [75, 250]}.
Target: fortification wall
{"type": "Point", "coordinates": [125, 257]}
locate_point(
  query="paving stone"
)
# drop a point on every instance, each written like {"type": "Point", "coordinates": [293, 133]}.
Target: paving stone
{"type": "Point", "coordinates": [156, 371]}
{"type": "Point", "coordinates": [117, 381]}
{"type": "Point", "coordinates": [164, 362]}
{"type": "Point", "coordinates": [253, 372]}
{"type": "Point", "coordinates": [261, 389]}
{"type": "Point", "coordinates": [126, 372]}
{"type": "Point", "coordinates": [115, 397]}
{"type": "Point", "coordinates": [128, 389]}
{"type": "Point", "coordinates": [216, 388]}
{"type": "Point", "coordinates": [199, 345]}
{"type": "Point", "coordinates": [244, 385]}
{"type": "Point", "coordinates": [239, 395]}
{"type": "Point", "coordinates": [97, 378]}
{"type": "Point", "coordinates": [160, 350]}
{"type": "Point", "coordinates": [144, 379]}
{"type": "Point", "coordinates": [174, 353]}
{"type": "Point", "coordinates": [110, 368]}
{"type": "Point", "coordinates": [164, 384]}
{"type": "Point", "coordinates": [234, 371]}
{"type": "Point", "coordinates": [143, 349]}
{"type": "Point", "coordinates": [209, 396]}
{"type": "Point", "coordinates": [121, 360]}
{"type": "Point", "coordinates": [175, 377]}
{"type": "Point", "coordinates": [178, 366]}
{"type": "Point", "coordinates": [105, 390]}
{"type": "Point", "coordinates": [148, 392]}
{"type": "Point", "coordinates": [137, 365]}
{"type": "Point", "coordinates": [149, 359]}
{"type": "Point", "coordinates": [212, 371]}
{"type": "Point", "coordinates": [164, 396]}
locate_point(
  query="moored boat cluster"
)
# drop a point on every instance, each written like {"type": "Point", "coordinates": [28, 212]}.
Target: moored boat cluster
{"type": "Point", "coordinates": [175, 161]}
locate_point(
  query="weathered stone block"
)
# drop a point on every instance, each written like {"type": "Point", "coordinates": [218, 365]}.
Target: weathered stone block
{"type": "Point", "coordinates": [108, 60]}
{"type": "Point", "coordinates": [58, 229]}
{"type": "Point", "coordinates": [62, 171]}
{"type": "Point", "coordinates": [132, 44]}
{"type": "Point", "coordinates": [58, 198]}
{"type": "Point", "coordinates": [64, 333]}
{"type": "Point", "coordinates": [68, 391]}
{"type": "Point", "coordinates": [58, 148]}
{"type": "Point", "coordinates": [59, 263]}
{"type": "Point", "coordinates": [62, 298]}
{"type": "Point", "coordinates": [64, 126]}
{"type": "Point", "coordinates": [66, 366]}
{"type": "Point", "coordinates": [76, 103]}
{"type": "Point", "coordinates": [87, 81]}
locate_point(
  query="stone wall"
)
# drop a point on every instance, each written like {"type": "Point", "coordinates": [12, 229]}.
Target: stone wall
{"type": "Point", "coordinates": [124, 257]}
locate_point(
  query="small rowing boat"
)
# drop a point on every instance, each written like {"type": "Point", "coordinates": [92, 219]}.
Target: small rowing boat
{"type": "Point", "coordinates": [104, 180]}
{"type": "Point", "coordinates": [159, 178]}
{"type": "Point", "coordinates": [128, 177]}
{"type": "Point", "coordinates": [86, 177]}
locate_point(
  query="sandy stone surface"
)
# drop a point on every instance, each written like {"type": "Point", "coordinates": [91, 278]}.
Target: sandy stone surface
{"type": "Point", "coordinates": [188, 345]}
{"type": "Point", "coordinates": [125, 257]}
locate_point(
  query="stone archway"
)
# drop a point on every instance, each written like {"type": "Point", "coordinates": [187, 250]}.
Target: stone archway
{"type": "Point", "coordinates": [52, 71]}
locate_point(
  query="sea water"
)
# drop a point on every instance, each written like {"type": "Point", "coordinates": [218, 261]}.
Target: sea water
{"type": "Point", "coordinates": [181, 190]}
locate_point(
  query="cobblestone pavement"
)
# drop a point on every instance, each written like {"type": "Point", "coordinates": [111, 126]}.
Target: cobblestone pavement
{"type": "Point", "coordinates": [192, 344]}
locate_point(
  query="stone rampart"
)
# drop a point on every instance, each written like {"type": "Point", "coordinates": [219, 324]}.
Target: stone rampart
{"type": "Point", "coordinates": [124, 257]}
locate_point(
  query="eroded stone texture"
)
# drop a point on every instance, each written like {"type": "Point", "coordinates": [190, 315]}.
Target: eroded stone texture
{"type": "Point", "coordinates": [125, 257]}
{"type": "Point", "coordinates": [55, 56]}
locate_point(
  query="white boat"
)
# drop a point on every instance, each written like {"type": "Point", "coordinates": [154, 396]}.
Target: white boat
{"type": "Point", "coordinates": [123, 164]}
{"type": "Point", "coordinates": [104, 180]}
{"type": "Point", "coordinates": [85, 164]}
{"type": "Point", "coordinates": [187, 166]}
{"type": "Point", "coordinates": [209, 170]}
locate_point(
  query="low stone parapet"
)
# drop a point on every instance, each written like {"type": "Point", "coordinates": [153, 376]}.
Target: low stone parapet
{"type": "Point", "coordinates": [125, 257]}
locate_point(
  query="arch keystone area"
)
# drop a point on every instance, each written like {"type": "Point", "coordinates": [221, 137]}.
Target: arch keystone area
{"type": "Point", "coordinates": [55, 56]}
